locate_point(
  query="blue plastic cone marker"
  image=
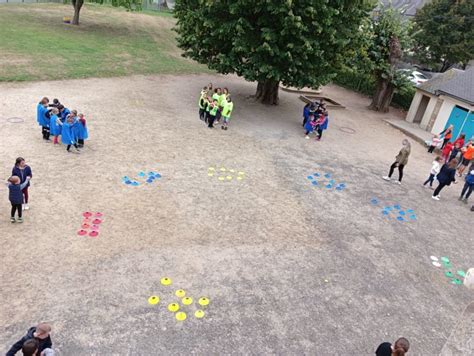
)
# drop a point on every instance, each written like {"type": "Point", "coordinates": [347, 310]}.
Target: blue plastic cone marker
{"type": "Point", "coordinates": [401, 212]}
{"type": "Point", "coordinates": [329, 186]}
{"type": "Point", "coordinates": [149, 180]}
{"type": "Point", "coordinates": [327, 175]}
{"type": "Point", "coordinates": [135, 184]}
{"type": "Point", "coordinates": [158, 175]}
{"type": "Point", "coordinates": [400, 218]}
{"type": "Point", "coordinates": [374, 201]}
{"type": "Point", "coordinates": [310, 177]}
{"type": "Point", "coordinates": [317, 175]}
{"type": "Point", "coordinates": [397, 207]}
{"type": "Point", "coordinates": [413, 217]}
{"type": "Point", "coordinates": [127, 182]}
{"type": "Point", "coordinates": [389, 208]}
{"type": "Point", "coordinates": [342, 185]}
{"type": "Point", "coordinates": [314, 182]}
{"type": "Point", "coordinates": [410, 211]}
{"type": "Point", "coordinates": [141, 174]}
{"type": "Point", "coordinates": [332, 181]}
{"type": "Point", "coordinates": [385, 212]}
{"type": "Point", "coordinates": [339, 188]}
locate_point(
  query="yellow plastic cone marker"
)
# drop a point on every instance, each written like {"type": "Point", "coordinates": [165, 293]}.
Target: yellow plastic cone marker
{"type": "Point", "coordinates": [180, 293]}
{"type": "Point", "coordinates": [173, 307]}
{"type": "Point", "coordinates": [187, 300]}
{"type": "Point", "coordinates": [239, 178]}
{"type": "Point", "coordinates": [199, 314]}
{"type": "Point", "coordinates": [211, 169]}
{"type": "Point", "coordinates": [210, 174]}
{"type": "Point", "coordinates": [221, 178]}
{"type": "Point", "coordinates": [154, 299]}
{"type": "Point", "coordinates": [241, 173]}
{"type": "Point", "coordinates": [229, 177]}
{"type": "Point", "coordinates": [232, 170]}
{"type": "Point", "coordinates": [180, 316]}
{"type": "Point", "coordinates": [165, 281]}
{"type": "Point", "coordinates": [222, 169]}
{"type": "Point", "coordinates": [203, 301]}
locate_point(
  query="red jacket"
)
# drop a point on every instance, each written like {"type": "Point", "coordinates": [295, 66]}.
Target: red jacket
{"type": "Point", "coordinates": [459, 143]}
{"type": "Point", "coordinates": [447, 149]}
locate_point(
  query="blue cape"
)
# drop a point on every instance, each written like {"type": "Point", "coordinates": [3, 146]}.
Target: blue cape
{"type": "Point", "coordinates": [68, 137]}
{"type": "Point", "coordinates": [54, 127]}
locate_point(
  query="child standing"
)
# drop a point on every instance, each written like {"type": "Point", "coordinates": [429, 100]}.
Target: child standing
{"type": "Point", "coordinates": [23, 171]}
{"type": "Point", "coordinates": [446, 151]}
{"type": "Point", "coordinates": [322, 124]}
{"type": "Point", "coordinates": [434, 143]}
{"type": "Point", "coordinates": [226, 112]}
{"type": "Point", "coordinates": [468, 186]}
{"type": "Point", "coordinates": [217, 97]}
{"type": "Point", "coordinates": [458, 144]}
{"type": "Point", "coordinates": [42, 117]}
{"type": "Point", "coordinates": [203, 104]}
{"type": "Point", "coordinates": [16, 196]}
{"type": "Point", "coordinates": [55, 125]}
{"type": "Point", "coordinates": [448, 134]}
{"type": "Point", "coordinates": [435, 168]}
{"type": "Point", "coordinates": [82, 133]}
{"type": "Point", "coordinates": [214, 109]}
{"type": "Point", "coordinates": [445, 177]}
{"type": "Point", "coordinates": [310, 125]}
{"type": "Point", "coordinates": [68, 134]}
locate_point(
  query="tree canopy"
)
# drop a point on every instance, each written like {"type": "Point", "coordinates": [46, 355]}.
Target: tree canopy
{"type": "Point", "coordinates": [444, 32]}
{"type": "Point", "coordinates": [294, 42]}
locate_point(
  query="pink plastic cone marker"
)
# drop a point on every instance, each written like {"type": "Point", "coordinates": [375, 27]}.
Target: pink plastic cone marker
{"type": "Point", "coordinates": [94, 233]}
{"type": "Point", "coordinates": [82, 232]}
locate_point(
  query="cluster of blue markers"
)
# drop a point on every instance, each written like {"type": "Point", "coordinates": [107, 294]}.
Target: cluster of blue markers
{"type": "Point", "coordinates": [396, 211]}
{"type": "Point", "coordinates": [148, 177]}
{"type": "Point", "coordinates": [325, 180]}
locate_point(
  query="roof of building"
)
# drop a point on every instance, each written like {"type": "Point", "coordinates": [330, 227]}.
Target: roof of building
{"type": "Point", "coordinates": [455, 83]}
{"type": "Point", "coordinates": [408, 7]}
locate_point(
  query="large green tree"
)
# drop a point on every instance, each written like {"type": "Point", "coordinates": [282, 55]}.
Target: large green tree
{"type": "Point", "coordinates": [294, 42]}
{"type": "Point", "coordinates": [444, 33]}
{"type": "Point", "coordinates": [128, 4]}
{"type": "Point", "coordinates": [387, 38]}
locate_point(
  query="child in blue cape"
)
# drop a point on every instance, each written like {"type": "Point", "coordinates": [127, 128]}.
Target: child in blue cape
{"type": "Point", "coordinates": [55, 125]}
{"type": "Point", "coordinates": [322, 124]}
{"type": "Point", "coordinates": [42, 117]}
{"type": "Point", "coordinates": [63, 112]}
{"type": "Point", "coordinates": [310, 125]}
{"type": "Point", "coordinates": [82, 133]}
{"type": "Point", "coordinates": [68, 136]}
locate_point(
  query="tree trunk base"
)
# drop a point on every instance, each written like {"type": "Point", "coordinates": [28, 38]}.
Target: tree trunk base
{"type": "Point", "coordinates": [267, 92]}
{"type": "Point", "coordinates": [383, 96]}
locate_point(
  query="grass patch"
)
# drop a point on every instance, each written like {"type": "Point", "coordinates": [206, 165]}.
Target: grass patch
{"type": "Point", "coordinates": [36, 44]}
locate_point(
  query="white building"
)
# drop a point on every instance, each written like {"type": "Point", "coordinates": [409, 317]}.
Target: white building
{"type": "Point", "coordinates": [444, 100]}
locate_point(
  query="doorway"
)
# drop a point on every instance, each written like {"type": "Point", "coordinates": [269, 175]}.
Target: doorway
{"type": "Point", "coordinates": [421, 109]}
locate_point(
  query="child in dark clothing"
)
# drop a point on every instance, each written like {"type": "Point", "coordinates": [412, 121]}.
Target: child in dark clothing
{"type": "Point", "coordinates": [40, 333]}
{"type": "Point", "coordinates": [55, 104]}
{"type": "Point", "coordinates": [16, 196]}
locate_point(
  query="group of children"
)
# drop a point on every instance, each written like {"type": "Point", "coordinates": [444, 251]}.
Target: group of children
{"type": "Point", "coordinates": [315, 119]}
{"type": "Point", "coordinates": [446, 173]}
{"type": "Point", "coordinates": [58, 121]}
{"type": "Point", "coordinates": [215, 105]}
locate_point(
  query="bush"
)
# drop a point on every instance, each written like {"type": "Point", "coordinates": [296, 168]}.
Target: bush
{"type": "Point", "coordinates": [365, 84]}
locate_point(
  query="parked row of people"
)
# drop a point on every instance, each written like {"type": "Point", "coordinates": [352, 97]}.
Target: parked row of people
{"type": "Point", "coordinates": [59, 122]}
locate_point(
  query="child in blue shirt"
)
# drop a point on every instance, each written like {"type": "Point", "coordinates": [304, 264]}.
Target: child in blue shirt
{"type": "Point", "coordinates": [16, 196]}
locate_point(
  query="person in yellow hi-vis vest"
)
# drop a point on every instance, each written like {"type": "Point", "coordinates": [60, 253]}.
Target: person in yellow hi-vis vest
{"type": "Point", "coordinates": [226, 112]}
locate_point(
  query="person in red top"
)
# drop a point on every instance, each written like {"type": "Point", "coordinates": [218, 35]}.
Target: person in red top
{"type": "Point", "coordinates": [448, 135]}
{"type": "Point", "coordinates": [458, 144]}
{"type": "Point", "coordinates": [467, 156]}
{"type": "Point", "coordinates": [446, 151]}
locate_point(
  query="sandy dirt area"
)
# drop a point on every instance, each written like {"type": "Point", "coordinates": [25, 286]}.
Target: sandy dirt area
{"type": "Point", "coordinates": [289, 268]}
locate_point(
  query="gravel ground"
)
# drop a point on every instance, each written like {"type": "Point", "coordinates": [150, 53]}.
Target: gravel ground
{"type": "Point", "coordinates": [289, 268]}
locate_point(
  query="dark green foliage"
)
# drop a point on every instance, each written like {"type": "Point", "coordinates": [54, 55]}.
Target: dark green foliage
{"type": "Point", "coordinates": [443, 31]}
{"type": "Point", "coordinates": [296, 42]}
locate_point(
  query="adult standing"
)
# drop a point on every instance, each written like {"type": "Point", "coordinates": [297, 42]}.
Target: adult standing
{"type": "Point", "coordinates": [448, 134]}
{"type": "Point", "coordinates": [399, 348]}
{"type": "Point", "coordinates": [401, 161]}
{"type": "Point", "coordinates": [22, 170]}
{"type": "Point", "coordinates": [445, 177]}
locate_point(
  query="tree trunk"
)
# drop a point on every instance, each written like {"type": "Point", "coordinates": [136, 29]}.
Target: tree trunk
{"type": "Point", "coordinates": [383, 96]}
{"type": "Point", "coordinates": [267, 92]}
{"type": "Point", "coordinates": [77, 9]}
{"type": "Point", "coordinates": [445, 67]}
